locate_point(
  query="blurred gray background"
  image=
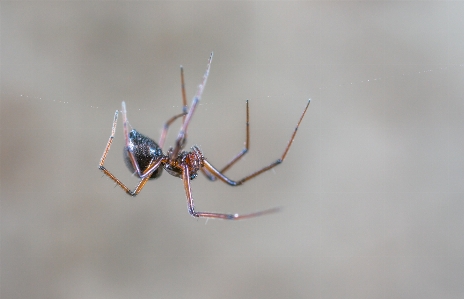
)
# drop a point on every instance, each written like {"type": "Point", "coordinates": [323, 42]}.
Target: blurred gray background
{"type": "Point", "coordinates": [372, 190]}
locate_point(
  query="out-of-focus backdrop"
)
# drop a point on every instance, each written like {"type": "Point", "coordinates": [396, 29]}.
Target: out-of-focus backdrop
{"type": "Point", "coordinates": [372, 190]}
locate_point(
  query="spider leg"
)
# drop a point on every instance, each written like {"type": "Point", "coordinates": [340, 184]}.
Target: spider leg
{"type": "Point", "coordinates": [126, 125]}
{"type": "Point", "coordinates": [125, 122]}
{"type": "Point", "coordinates": [239, 155]}
{"type": "Point", "coordinates": [154, 164]}
{"type": "Point", "coordinates": [180, 141]}
{"type": "Point", "coordinates": [191, 205]}
{"type": "Point", "coordinates": [184, 95]}
{"type": "Point", "coordinates": [184, 98]}
{"type": "Point", "coordinates": [166, 127]}
{"type": "Point", "coordinates": [145, 175]}
{"type": "Point", "coordinates": [110, 140]}
{"type": "Point", "coordinates": [184, 112]}
{"type": "Point", "coordinates": [105, 152]}
{"type": "Point", "coordinates": [211, 170]}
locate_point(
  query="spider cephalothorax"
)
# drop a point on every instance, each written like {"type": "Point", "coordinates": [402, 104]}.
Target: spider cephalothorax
{"type": "Point", "coordinates": [145, 157]}
{"type": "Point", "coordinates": [193, 160]}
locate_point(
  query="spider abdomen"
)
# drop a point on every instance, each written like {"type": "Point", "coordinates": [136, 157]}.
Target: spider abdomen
{"type": "Point", "coordinates": [144, 151]}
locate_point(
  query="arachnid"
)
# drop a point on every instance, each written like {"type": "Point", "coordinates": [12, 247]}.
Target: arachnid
{"type": "Point", "coordinates": [146, 159]}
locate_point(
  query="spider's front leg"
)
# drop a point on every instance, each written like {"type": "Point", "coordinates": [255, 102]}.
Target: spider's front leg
{"type": "Point", "coordinates": [183, 114]}
{"type": "Point", "coordinates": [191, 205]}
{"type": "Point", "coordinates": [180, 141]}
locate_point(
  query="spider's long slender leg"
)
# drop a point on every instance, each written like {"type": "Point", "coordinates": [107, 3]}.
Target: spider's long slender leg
{"type": "Point", "coordinates": [215, 172]}
{"type": "Point", "coordinates": [184, 112]}
{"type": "Point", "coordinates": [154, 163]}
{"type": "Point", "coordinates": [110, 140]}
{"type": "Point", "coordinates": [239, 155]}
{"type": "Point", "coordinates": [105, 152]}
{"type": "Point", "coordinates": [166, 127]}
{"type": "Point", "coordinates": [247, 143]}
{"type": "Point", "coordinates": [137, 189]}
{"type": "Point", "coordinates": [145, 175]}
{"type": "Point", "coordinates": [139, 186]}
{"type": "Point", "coordinates": [125, 123]}
{"type": "Point", "coordinates": [184, 99]}
{"type": "Point", "coordinates": [191, 205]}
{"type": "Point", "coordinates": [180, 141]}
{"type": "Point", "coordinates": [184, 95]}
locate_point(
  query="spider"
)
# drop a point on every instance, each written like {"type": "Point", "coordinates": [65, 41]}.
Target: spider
{"type": "Point", "coordinates": [145, 158]}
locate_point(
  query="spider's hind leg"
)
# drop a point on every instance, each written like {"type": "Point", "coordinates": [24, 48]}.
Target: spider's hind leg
{"type": "Point", "coordinates": [211, 171]}
{"type": "Point", "coordinates": [110, 140]}
{"type": "Point", "coordinates": [125, 123]}
{"type": "Point", "coordinates": [105, 153]}
{"type": "Point", "coordinates": [145, 175]}
{"type": "Point", "coordinates": [210, 175]}
{"type": "Point", "coordinates": [128, 141]}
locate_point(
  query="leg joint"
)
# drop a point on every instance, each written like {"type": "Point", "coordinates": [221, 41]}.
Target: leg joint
{"type": "Point", "coordinates": [192, 212]}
